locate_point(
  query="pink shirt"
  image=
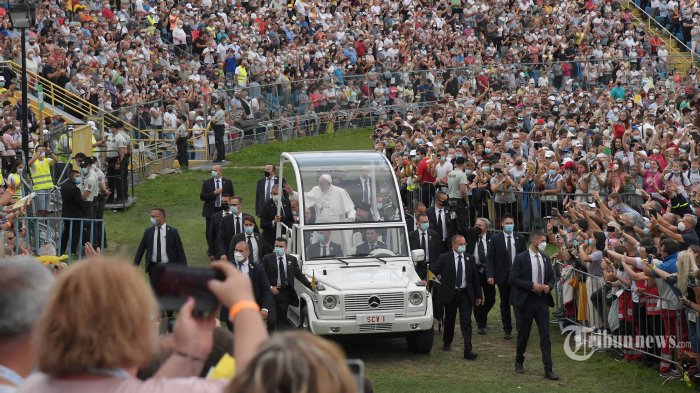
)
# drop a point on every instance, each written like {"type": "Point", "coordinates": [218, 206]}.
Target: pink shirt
{"type": "Point", "coordinates": [40, 383]}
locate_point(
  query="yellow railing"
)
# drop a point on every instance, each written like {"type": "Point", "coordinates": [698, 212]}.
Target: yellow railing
{"type": "Point", "coordinates": [59, 97]}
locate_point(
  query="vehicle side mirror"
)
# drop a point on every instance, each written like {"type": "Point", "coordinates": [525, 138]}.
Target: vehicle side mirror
{"type": "Point", "coordinates": [418, 255]}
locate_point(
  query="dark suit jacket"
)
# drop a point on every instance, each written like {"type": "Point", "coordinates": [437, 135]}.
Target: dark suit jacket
{"type": "Point", "coordinates": [445, 268]}
{"type": "Point", "coordinates": [334, 250]}
{"type": "Point", "coordinates": [267, 218]}
{"type": "Point", "coordinates": [173, 247]}
{"type": "Point", "coordinates": [226, 231]}
{"type": "Point", "coordinates": [263, 247]}
{"type": "Point", "coordinates": [497, 259]}
{"type": "Point", "coordinates": [215, 222]}
{"type": "Point", "coordinates": [207, 195]}
{"type": "Point", "coordinates": [270, 262]}
{"type": "Point", "coordinates": [354, 188]}
{"type": "Point", "coordinates": [471, 236]}
{"type": "Point", "coordinates": [73, 204]}
{"type": "Point", "coordinates": [260, 193]}
{"type": "Point", "coordinates": [432, 218]}
{"type": "Point", "coordinates": [521, 279]}
{"type": "Point", "coordinates": [410, 223]}
{"type": "Point", "coordinates": [363, 248]}
{"type": "Point", "coordinates": [434, 246]}
{"type": "Point", "coordinates": [261, 285]}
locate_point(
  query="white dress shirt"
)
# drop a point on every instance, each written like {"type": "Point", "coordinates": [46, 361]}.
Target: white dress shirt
{"type": "Point", "coordinates": [422, 233]}
{"type": "Point", "coordinates": [217, 185]}
{"type": "Point", "coordinates": [163, 253]}
{"type": "Point", "coordinates": [512, 245]}
{"type": "Point", "coordinates": [464, 270]}
{"type": "Point", "coordinates": [245, 268]}
{"type": "Point", "coordinates": [440, 215]}
{"type": "Point", "coordinates": [481, 238]}
{"type": "Point", "coordinates": [255, 247]}
{"type": "Point", "coordinates": [269, 183]}
{"type": "Point", "coordinates": [534, 257]}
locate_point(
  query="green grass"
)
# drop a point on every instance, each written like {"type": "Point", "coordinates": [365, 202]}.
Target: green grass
{"type": "Point", "coordinates": [388, 364]}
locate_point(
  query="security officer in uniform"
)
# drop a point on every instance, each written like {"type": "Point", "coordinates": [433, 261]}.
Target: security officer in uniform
{"type": "Point", "coordinates": [457, 193]}
{"type": "Point", "coordinates": [118, 158]}
{"type": "Point", "coordinates": [89, 188]}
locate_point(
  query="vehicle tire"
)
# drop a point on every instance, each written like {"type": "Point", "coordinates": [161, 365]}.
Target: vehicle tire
{"type": "Point", "coordinates": [420, 342]}
{"type": "Point", "coordinates": [304, 319]}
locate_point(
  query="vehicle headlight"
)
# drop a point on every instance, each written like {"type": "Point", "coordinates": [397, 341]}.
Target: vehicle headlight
{"type": "Point", "coordinates": [416, 298]}
{"type": "Point", "coordinates": [329, 302]}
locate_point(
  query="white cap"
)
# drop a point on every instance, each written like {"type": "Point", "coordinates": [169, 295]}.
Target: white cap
{"type": "Point", "coordinates": [199, 118]}
{"type": "Point", "coordinates": [549, 154]}
{"type": "Point", "coordinates": [92, 124]}
{"type": "Point", "coordinates": [412, 152]}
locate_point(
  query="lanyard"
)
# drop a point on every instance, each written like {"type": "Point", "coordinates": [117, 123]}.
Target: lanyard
{"type": "Point", "coordinates": [10, 375]}
{"type": "Point", "coordinates": [118, 373]}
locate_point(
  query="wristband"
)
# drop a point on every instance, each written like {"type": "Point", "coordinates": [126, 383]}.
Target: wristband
{"type": "Point", "coordinates": [240, 306]}
{"type": "Point", "coordinates": [190, 357]}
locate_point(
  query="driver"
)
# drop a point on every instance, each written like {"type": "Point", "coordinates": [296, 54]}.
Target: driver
{"type": "Point", "coordinates": [372, 243]}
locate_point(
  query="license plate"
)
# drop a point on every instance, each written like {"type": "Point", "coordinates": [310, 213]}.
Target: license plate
{"type": "Point", "coordinates": [375, 318]}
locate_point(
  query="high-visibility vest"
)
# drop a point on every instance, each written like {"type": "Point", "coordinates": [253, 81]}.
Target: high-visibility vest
{"type": "Point", "coordinates": [18, 185]}
{"type": "Point", "coordinates": [41, 174]}
{"type": "Point", "coordinates": [242, 76]}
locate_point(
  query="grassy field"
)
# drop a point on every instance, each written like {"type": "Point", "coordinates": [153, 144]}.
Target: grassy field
{"type": "Point", "coordinates": [389, 365]}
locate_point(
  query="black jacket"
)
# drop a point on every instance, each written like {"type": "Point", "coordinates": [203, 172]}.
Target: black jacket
{"type": "Point", "coordinates": [432, 218]}
{"type": "Point", "coordinates": [207, 195]}
{"type": "Point", "coordinates": [434, 246]}
{"type": "Point", "coordinates": [173, 247]}
{"type": "Point", "coordinates": [226, 231]}
{"type": "Point", "coordinates": [214, 223]}
{"type": "Point", "coordinates": [270, 264]}
{"type": "Point", "coordinates": [260, 193]}
{"type": "Point", "coordinates": [521, 279]}
{"type": "Point", "coordinates": [364, 249]}
{"type": "Point", "coordinates": [267, 218]}
{"type": "Point", "coordinates": [263, 247]}
{"type": "Point", "coordinates": [261, 285]}
{"type": "Point", "coordinates": [334, 250]}
{"type": "Point", "coordinates": [498, 263]}
{"type": "Point", "coordinates": [72, 198]}
{"type": "Point", "coordinates": [447, 272]}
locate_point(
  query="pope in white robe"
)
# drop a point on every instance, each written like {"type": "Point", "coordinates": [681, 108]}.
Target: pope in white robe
{"type": "Point", "coordinates": [332, 203]}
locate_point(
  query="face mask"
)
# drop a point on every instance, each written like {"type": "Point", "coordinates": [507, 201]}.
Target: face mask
{"type": "Point", "coordinates": [213, 174]}
{"type": "Point", "coordinates": [646, 231]}
{"type": "Point", "coordinates": [458, 155]}
{"type": "Point", "coordinates": [468, 172]}
{"type": "Point", "coordinates": [379, 206]}
{"type": "Point", "coordinates": [424, 226]}
{"type": "Point", "coordinates": [83, 171]}
{"type": "Point", "coordinates": [233, 209]}
{"type": "Point", "coordinates": [676, 172]}
{"type": "Point", "coordinates": [508, 228]}
{"type": "Point", "coordinates": [225, 206]}
{"type": "Point", "coordinates": [320, 237]}
{"type": "Point", "coordinates": [267, 174]}
{"type": "Point", "coordinates": [279, 251]}
{"type": "Point", "coordinates": [78, 180]}
{"type": "Point", "coordinates": [248, 230]}
{"type": "Point", "coordinates": [153, 221]}
{"type": "Point", "coordinates": [647, 165]}
{"type": "Point", "coordinates": [552, 172]}
{"type": "Point", "coordinates": [542, 246]}
{"type": "Point", "coordinates": [443, 158]}
{"type": "Point", "coordinates": [655, 151]}
{"type": "Point", "coordinates": [486, 169]}
{"type": "Point", "coordinates": [461, 249]}
{"type": "Point", "coordinates": [239, 257]}
{"type": "Point", "coordinates": [487, 150]}
{"type": "Point", "coordinates": [681, 226]}
{"type": "Point", "coordinates": [42, 155]}
{"type": "Point", "coordinates": [616, 166]}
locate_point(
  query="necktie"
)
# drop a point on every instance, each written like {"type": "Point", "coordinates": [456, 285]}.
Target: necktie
{"type": "Point", "coordinates": [324, 252]}
{"type": "Point", "coordinates": [250, 247]}
{"type": "Point", "coordinates": [366, 198]}
{"type": "Point", "coordinates": [240, 266]}
{"type": "Point", "coordinates": [218, 197]}
{"type": "Point", "coordinates": [268, 188]}
{"type": "Point", "coordinates": [540, 278]}
{"type": "Point", "coordinates": [439, 224]}
{"type": "Point", "coordinates": [282, 275]}
{"type": "Point", "coordinates": [510, 252]}
{"type": "Point", "coordinates": [238, 225]}
{"type": "Point", "coordinates": [460, 272]}
{"type": "Point", "coordinates": [158, 252]}
{"type": "Point", "coordinates": [480, 251]}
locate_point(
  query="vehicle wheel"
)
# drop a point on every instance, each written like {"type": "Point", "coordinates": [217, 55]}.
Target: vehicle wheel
{"type": "Point", "coordinates": [420, 342]}
{"type": "Point", "coordinates": [304, 319]}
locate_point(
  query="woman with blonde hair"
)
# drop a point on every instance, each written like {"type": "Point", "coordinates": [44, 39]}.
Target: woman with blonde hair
{"type": "Point", "coordinates": [297, 362]}
{"type": "Point", "coordinates": [97, 329]}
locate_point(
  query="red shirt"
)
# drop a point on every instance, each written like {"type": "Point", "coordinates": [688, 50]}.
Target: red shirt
{"type": "Point", "coordinates": [424, 172]}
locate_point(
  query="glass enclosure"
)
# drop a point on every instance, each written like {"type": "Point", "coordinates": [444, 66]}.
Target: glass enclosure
{"type": "Point", "coordinates": [355, 243]}
{"type": "Point", "coordinates": [347, 187]}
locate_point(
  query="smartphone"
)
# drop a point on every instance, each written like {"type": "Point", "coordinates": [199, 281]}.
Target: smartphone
{"type": "Point", "coordinates": [555, 230]}
{"type": "Point", "coordinates": [357, 368]}
{"type": "Point", "coordinates": [610, 228]}
{"type": "Point", "coordinates": [176, 283]}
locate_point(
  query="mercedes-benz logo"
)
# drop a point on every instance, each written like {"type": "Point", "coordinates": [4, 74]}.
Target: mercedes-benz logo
{"type": "Point", "coordinates": [374, 301]}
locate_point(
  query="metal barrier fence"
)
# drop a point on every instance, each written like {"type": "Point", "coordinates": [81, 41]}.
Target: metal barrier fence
{"type": "Point", "coordinates": [530, 210]}
{"type": "Point", "coordinates": [631, 317]}
{"type": "Point", "coordinates": [67, 235]}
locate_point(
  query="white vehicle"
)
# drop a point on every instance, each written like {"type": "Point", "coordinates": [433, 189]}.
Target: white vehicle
{"type": "Point", "coordinates": [352, 243]}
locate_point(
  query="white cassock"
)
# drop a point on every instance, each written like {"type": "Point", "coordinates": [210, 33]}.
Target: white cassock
{"type": "Point", "coordinates": [336, 206]}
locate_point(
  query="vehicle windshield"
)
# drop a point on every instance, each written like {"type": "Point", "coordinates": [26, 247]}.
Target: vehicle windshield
{"type": "Point", "coordinates": [353, 187]}
{"type": "Point", "coordinates": [355, 243]}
